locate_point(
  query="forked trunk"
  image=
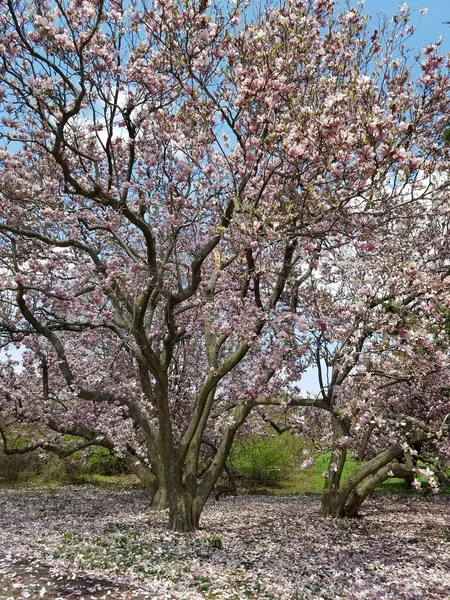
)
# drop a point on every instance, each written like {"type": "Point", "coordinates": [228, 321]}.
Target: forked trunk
{"type": "Point", "coordinates": [365, 479]}
{"type": "Point", "coordinates": [184, 511]}
{"type": "Point", "coordinates": [339, 503]}
{"type": "Point", "coordinates": [340, 506]}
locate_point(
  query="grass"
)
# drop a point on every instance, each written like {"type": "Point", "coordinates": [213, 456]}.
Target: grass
{"type": "Point", "coordinates": [307, 481]}
{"type": "Point", "coordinates": [85, 479]}
{"type": "Point", "coordinates": [311, 481]}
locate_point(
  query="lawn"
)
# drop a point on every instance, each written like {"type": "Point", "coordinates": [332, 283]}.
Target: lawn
{"type": "Point", "coordinates": [311, 481]}
{"type": "Point", "coordinates": [88, 542]}
{"type": "Point", "coordinates": [306, 481]}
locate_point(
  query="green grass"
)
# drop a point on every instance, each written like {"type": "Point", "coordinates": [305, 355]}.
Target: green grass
{"type": "Point", "coordinates": [105, 480]}
{"type": "Point", "coordinates": [311, 481]}
{"type": "Point", "coordinates": [294, 481]}
{"type": "Point", "coordinates": [398, 485]}
{"type": "Point", "coordinates": [84, 479]}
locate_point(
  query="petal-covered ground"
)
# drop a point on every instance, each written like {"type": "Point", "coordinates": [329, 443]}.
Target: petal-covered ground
{"type": "Point", "coordinates": [84, 542]}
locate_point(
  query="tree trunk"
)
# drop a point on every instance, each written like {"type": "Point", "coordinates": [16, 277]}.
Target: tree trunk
{"type": "Point", "coordinates": [347, 504]}
{"type": "Point", "coordinates": [343, 505]}
{"type": "Point", "coordinates": [331, 491]}
{"type": "Point", "coordinates": [184, 511]}
{"type": "Point", "coordinates": [160, 500]}
{"type": "Point", "coordinates": [185, 502]}
{"type": "Point", "coordinates": [332, 505]}
{"type": "Point", "coordinates": [354, 501]}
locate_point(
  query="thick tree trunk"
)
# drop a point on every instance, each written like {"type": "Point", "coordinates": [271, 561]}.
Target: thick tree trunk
{"type": "Point", "coordinates": [185, 500]}
{"type": "Point", "coordinates": [184, 511]}
{"type": "Point", "coordinates": [160, 499]}
{"type": "Point", "coordinates": [343, 505]}
{"type": "Point", "coordinates": [332, 505]}
{"type": "Point", "coordinates": [354, 501]}
{"type": "Point", "coordinates": [347, 502]}
{"type": "Point", "coordinates": [186, 492]}
{"type": "Point", "coordinates": [181, 517]}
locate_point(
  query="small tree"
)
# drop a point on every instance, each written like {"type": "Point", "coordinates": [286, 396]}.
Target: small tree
{"type": "Point", "coordinates": [169, 177]}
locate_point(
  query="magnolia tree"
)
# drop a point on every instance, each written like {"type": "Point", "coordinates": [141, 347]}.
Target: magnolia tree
{"type": "Point", "coordinates": [382, 351]}
{"type": "Point", "coordinates": [170, 175]}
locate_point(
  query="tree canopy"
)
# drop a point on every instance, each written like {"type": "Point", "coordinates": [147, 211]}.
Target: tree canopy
{"type": "Point", "coordinates": [195, 200]}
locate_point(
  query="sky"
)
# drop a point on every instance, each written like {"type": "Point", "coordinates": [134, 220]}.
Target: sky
{"type": "Point", "coordinates": [431, 26]}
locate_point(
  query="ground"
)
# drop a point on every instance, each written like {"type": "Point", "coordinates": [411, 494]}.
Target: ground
{"type": "Point", "coordinates": [92, 543]}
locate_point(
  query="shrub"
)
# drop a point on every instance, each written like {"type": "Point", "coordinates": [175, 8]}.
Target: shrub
{"type": "Point", "coordinates": [21, 467]}
{"type": "Point", "coordinates": [48, 468]}
{"type": "Point", "coordinates": [101, 461]}
{"type": "Point", "coordinates": [265, 461]}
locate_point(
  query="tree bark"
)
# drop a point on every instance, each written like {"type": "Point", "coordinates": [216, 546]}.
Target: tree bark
{"type": "Point", "coordinates": [159, 498]}
{"type": "Point", "coordinates": [332, 505]}
{"type": "Point", "coordinates": [347, 501]}
{"type": "Point", "coordinates": [331, 491]}
{"type": "Point", "coordinates": [184, 511]}
{"type": "Point", "coordinates": [370, 484]}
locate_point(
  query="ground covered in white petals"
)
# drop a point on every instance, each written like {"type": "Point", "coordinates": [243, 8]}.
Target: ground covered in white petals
{"type": "Point", "coordinates": [83, 542]}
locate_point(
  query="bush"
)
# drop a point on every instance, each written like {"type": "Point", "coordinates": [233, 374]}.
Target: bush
{"type": "Point", "coordinates": [48, 468]}
{"type": "Point", "coordinates": [265, 461]}
{"type": "Point", "coordinates": [21, 467]}
{"type": "Point", "coordinates": [101, 461]}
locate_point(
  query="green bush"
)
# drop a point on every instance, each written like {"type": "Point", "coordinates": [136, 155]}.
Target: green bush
{"type": "Point", "coordinates": [48, 468]}
{"type": "Point", "coordinates": [21, 467]}
{"type": "Point", "coordinates": [265, 461]}
{"type": "Point", "coordinates": [101, 461]}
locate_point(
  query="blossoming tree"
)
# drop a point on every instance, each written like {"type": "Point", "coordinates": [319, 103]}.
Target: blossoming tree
{"type": "Point", "coordinates": [382, 354]}
{"type": "Point", "coordinates": [169, 178]}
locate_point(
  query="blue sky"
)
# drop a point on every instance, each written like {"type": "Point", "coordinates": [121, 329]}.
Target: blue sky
{"type": "Point", "coordinates": [431, 26]}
